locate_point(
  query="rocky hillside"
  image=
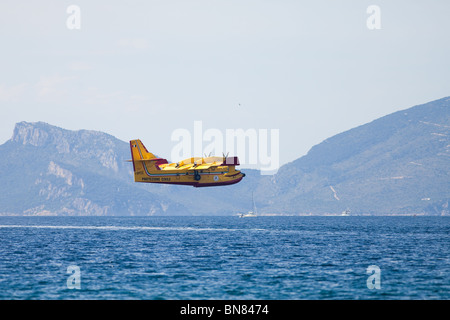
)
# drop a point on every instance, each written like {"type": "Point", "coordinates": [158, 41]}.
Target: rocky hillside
{"type": "Point", "coordinates": [47, 170]}
{"type": "Point", "coordinates": [398, 164]}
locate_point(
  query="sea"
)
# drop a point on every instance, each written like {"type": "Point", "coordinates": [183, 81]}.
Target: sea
{"type": "Point", "coordinates": [226, 258]}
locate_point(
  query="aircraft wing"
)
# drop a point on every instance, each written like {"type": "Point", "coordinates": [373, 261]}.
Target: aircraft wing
{"type": "Point", "coordinates": [203, 166]}
{"type": "Point", "coordinates": [206, 166]}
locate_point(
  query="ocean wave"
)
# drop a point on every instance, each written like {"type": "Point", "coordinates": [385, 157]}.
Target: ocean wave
{"type": "Point", "coordinates": [136, 228]}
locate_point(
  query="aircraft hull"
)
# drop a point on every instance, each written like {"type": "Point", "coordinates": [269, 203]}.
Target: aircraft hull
{"type": "Point", "coordinates": [199, 184]}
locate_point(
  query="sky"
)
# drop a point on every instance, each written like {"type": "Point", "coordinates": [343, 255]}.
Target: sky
{"type": "Point", "coordinates": [145, 69]}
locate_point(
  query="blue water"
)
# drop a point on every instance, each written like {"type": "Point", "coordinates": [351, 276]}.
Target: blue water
{"type": "Point", "coordinates": [224, 257]}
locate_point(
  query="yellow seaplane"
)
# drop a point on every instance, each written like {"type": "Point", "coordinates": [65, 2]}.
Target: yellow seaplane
{"type": "Point", "coordinates": [195, 171]}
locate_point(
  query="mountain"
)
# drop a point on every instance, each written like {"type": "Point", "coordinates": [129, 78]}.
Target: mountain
{"type": "Point", "coordinates": [397, 164]}
{"type": "Point", "coordinates": [47, 170]}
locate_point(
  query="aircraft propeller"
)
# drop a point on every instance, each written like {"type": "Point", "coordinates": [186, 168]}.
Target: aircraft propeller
{"type": "Point", "coordinates": [225, 157]}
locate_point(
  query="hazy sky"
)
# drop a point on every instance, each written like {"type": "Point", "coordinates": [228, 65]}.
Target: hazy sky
{"type": "Point", "coordinates": [142, 69]}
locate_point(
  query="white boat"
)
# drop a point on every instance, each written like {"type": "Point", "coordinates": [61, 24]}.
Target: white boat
{"type": "Point", "coordinates": [346, 212]}
{"type": "Point", "coordinates": [250, 213]}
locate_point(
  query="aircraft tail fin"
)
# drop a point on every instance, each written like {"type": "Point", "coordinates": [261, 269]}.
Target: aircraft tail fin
{"type": "Point", "coordinates": [139, 151]}
{"type": "Point", "coordinates": [143, 161]}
